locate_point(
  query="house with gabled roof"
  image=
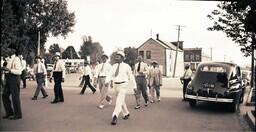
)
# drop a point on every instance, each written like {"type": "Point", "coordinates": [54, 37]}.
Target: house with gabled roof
{"type": "Point", "coordinates": [164, 53]}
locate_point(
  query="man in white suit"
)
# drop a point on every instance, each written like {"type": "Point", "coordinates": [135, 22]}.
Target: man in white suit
{"type": "Point", "coordinates": [119, 76]}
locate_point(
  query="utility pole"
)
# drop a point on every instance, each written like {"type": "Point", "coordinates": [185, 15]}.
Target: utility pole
{"type": "Point", "coordinates": [176, 54]}
{"type": "Point", "coordinates": [38, 45]}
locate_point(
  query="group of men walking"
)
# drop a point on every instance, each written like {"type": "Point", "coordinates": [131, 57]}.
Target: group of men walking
{"type": "Point", "coordinates": [117, 76]}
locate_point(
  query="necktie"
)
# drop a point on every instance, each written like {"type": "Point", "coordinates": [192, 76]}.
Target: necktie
{"type": "Point", "coordinates": [117, 70]}
{"type": "Point", "coordinates": [138, 69]}
{"type": "Point", "coordinates": [54, 68]}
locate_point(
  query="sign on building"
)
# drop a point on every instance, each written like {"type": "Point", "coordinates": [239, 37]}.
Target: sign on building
{"type": "Point", "coordinates": [193, 55]}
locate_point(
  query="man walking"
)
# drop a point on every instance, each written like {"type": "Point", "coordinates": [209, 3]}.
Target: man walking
{"type": "Point", "coordinates": [119, 76]}
{"type": "Point", "coordinates": [185, 79]}
{"type": "Point", "coordinates": [12, 87]}
{"type": "Point", "coordinates": [58, 74]}
{"type": "Point", "coordinates": [40, 72]}
{"type": "Point", "coordinates": [102, 70]}
{"type": "Point", "coordinates": [140, 71]}
{"type": "Point", "coordinates": [87, 76]}
{"type": "Point", "coordinates": [155, 81]}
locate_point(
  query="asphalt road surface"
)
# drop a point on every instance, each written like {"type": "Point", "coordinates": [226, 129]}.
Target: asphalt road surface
{"type": "Point", "coordinates": [80, 112]}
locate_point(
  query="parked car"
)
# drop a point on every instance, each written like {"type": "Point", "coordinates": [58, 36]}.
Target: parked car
{"type": "Point", "coordinates": [216, 82]}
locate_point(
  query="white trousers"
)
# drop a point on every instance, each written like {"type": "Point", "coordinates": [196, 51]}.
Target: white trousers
{"type": "Point", "coordinates": [120, 99]}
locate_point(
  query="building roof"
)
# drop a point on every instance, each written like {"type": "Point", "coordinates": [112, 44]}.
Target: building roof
{"type": "Point", "coordinates": [166, 45]}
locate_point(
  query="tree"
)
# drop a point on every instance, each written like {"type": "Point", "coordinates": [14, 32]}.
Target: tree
{"type": "Point", "coordinates": [131, 55]}
{"type": "Point", "coordinates": [70, 53]}
{"type": "Point", "coordinates": [92, 49]}
{"type": "Point", "coordinates": [237, 20]}
{"type": "Point", "coordinates": [28, 17]}
{"type": "Point", "coordinates": [54, 48]}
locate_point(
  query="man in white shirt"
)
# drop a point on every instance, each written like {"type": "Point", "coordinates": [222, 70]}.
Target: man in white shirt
{"type": "Point", "coordinates": [12, 87]}
{"type": "Point", "coordinates": [87, 76]}
{"type": "Point", "coordinates": [141, 71]}
{"type": "Point", "coordinates": [119, 76]}
{"type": "Point", "coordinates": [186, 78]}
{"type": "Point", "coordinates": [40, 72]}
{"type": "Point", "coordinates": [102, 70]}
{"type": "Point", "coordinates": [58, 74]}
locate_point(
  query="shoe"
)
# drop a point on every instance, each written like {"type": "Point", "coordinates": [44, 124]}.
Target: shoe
{"type": "Point", "coordinates": [7, 116]}
{"type": "Point", "coordinates": [110, 101]}
{"type": "Point", "coordinates": [137, 107]}
{"type": "Point", "coordinates": [101, 106]}
{"type": "Point", "coordinates": [152, 101]}
{"type": "Point", "coordinates": [45, 96]}
{"type": "Point", "coordinates": [61, 100]}
{"type": "Point", "coordinates": [34, 98]}
{"type": "Point", "coordinates": [15, 117]}
{"type": "Point", "coordinates": [93, 92]}
{"type": "Point", "coordinates": [146, 103]}
{"type": "Point", "coordinates": [54, 102]}
{"type": "Point", "coordinates": [126, 117]}
{"type": "Point", "coordinates": [158, 100]}
{"type": "Point", "coordinates": [114, 120]}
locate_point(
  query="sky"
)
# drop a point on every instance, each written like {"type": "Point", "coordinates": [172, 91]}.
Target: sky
{"type": "Point", "coordinates": [123, 23]}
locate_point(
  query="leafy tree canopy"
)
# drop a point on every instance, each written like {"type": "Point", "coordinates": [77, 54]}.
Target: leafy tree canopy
{"type": "Point", "coordinates": [22, 20]}
{"type": "Point", "coordinates": [70, 53]}
{"type": "Point", "coordinates": [237, 19]}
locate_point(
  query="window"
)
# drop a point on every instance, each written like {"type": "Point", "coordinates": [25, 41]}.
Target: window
{"type": "Point", "coordinates": [141, 53]}
{"type": "Point", "coordinates": [148, 54]}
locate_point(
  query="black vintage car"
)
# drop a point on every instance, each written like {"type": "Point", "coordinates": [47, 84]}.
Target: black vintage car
{"type": "Point", "coordinates": [216, 82]}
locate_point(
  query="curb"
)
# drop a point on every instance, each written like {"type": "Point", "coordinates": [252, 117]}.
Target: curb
{"type": "Point", "coordinates": [250, 119]}
{"type": "Point", "coordinates": [248, 100]}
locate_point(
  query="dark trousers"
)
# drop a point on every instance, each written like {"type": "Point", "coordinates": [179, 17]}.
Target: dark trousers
{"type": "Point", "coordinates": [141, 88]}
{"type": "Point", "coordinates": [12, 87]}
{"type": "Point", "coordinates": [57, 86]}
{"type": "Point", "coordinates": [23, 78]}
{"type": "Point", "coordinates": [87, 83]}
{"type": "Point", "coordinates": [40, 81]}
{"type": "Point", "coordinates": [185, 84]}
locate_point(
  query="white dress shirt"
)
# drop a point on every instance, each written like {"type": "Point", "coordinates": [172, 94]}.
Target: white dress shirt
{"type": "Point", "coordinates": [40, 68]}
{"type": "Point", "coordinates": [187, 74]}
{"type": "Point", "coordinates": [143, 68]}
{"type": "Point", "coordinates": [60, 67]}
{"type": "Point", "coordinates": [124, 74]}
{"type": "Point", "coordinates": [14, 64]}
{"type": "Point", "coordinates": [86, 71]}
{"type": "Point", "coordinates": [102, 69]}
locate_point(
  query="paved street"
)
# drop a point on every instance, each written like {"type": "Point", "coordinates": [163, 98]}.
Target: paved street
{"type": "Point", "coordinates": [80, 112]}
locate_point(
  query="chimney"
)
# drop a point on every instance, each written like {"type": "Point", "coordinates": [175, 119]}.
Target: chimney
{"type": "Point", "coordinates": [157, 36]}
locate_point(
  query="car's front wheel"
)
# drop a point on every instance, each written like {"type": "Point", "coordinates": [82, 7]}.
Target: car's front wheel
{"type": "Point", "coordinates": [192, 103]}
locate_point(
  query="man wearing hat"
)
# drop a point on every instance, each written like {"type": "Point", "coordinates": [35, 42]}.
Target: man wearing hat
{"type": "Point", "coordinates": [40, 72]}
{"type": "Point", "coordinates": [87, 76]}
{"type": "Point", "coordinates": [102, 70]}
{"type": "Point", "coordinates": [140, 72]}
{"type": "Point", "coordinates": [12, 87]}
{"type": "Point", "coordinates": [155, 81]}
{"type": "Point", "coordinates": [118, 78]}
{"type": "Point", "coordinates": [58, 74]}
{"type": "Point", "coordinates": [185, 79]}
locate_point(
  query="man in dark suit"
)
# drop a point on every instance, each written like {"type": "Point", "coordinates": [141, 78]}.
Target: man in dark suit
{"type": "Point", "coordinates": [58, 74]}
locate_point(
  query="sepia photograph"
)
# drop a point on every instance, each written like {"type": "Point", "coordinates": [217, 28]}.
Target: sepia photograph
{"type": "Point", "coordinates": [128, 65]}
